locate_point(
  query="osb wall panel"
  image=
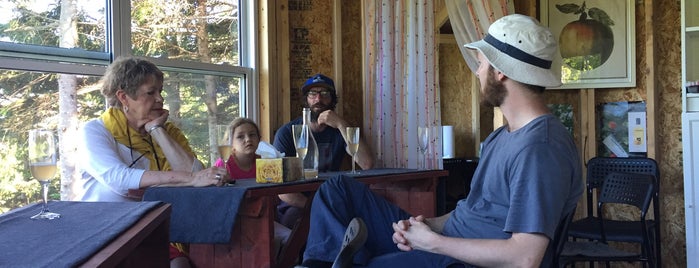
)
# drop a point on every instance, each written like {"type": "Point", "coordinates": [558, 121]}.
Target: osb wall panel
{"type": "Point", "coordinates": [310, 38]}
{"type": "Point", "coordinates": [310, 26]}
{"type": "Point", "coordinates": [455, 98]}
{"type": "Point", "coordinates": [668, 79]}
{"type": "Point", "coordinates": [352, 86]}
{"type": "Point", "coordinates": [668, 118]}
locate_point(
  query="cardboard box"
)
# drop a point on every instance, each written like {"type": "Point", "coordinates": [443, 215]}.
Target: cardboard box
{"type": "Point", "coordinates": [278, 170]}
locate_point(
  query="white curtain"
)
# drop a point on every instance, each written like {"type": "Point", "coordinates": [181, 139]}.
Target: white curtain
{"type": "Point", "coordinates": [401, 92]}
{"type": "Point", "coordinates": [470, 20]}
{"type": "Point", "coordinates": [400, 89]}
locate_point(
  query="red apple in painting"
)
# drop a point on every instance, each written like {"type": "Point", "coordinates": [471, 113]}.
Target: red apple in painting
{"type": "Point", "coordinates": [586, 43]}
{"type": "Point", "coordinates": [586, 37]}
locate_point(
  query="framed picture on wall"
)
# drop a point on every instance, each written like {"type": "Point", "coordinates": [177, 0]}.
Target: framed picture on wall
{"type": "Point", "coordinates": [596, 40]}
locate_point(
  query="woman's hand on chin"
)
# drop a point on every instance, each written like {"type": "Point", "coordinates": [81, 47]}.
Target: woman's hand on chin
{"type": "Point", "coordinates": [156, 118]}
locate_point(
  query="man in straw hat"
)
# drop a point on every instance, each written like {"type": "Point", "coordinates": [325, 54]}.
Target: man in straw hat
{"type": "Point", "coordinates": [528, 177]}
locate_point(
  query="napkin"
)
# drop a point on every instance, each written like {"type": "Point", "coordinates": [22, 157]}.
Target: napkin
{"type": "Point", "coordinates": [266, 150]}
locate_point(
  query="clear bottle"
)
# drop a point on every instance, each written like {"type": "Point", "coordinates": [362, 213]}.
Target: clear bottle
{"type": "Point", "coordinates": [310, 162]}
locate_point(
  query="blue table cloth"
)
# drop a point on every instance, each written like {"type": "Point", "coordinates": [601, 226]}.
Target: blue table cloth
{"type": "Point", "coordinates": [200, 214]}
{"type": "Point", "coordinates": [206, 215]}
{"type": "Point", "coordinates": [83, 229]}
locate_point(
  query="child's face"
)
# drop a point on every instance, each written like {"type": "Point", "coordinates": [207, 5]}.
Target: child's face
{"type": "Point", "coordinates": [245, 139]}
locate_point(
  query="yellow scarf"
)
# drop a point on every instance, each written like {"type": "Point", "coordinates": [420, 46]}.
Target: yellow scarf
{"type": "Point", "coordinates": [115, 121]}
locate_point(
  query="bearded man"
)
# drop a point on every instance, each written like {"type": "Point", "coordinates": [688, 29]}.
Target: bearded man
{"type": "Point", "coordinates": [328, 129]}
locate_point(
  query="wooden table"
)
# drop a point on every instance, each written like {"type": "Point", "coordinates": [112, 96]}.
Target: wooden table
{"type": "Point", "coordinates": [253, 232]}
{"type": "Point", "coordinates": [145, 244]}
{"type": "Point", "coordinates": [88, 234]}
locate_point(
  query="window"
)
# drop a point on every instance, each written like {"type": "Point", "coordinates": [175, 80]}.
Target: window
{"type": "Point", "coordinates": [53, 52]}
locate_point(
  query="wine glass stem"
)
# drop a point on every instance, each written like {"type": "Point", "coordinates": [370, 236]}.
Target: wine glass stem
{"type": "Point", "coordinates": [44, 194]}
{"type": "Point", "coordinates": [354, 162]}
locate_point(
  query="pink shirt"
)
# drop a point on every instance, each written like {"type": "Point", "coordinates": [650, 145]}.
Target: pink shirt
{"type": "Point", "coordinates": [236, 172]}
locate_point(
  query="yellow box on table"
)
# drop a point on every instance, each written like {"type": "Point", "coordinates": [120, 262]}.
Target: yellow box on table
{"type": "Point", "coordinates": [278, 170]}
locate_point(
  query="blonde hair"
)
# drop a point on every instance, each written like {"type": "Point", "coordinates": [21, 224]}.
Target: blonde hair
{"type": "Point", "coordinates": [241, 121]}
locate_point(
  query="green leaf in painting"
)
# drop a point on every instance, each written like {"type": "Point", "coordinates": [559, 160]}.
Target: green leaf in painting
{"type": "Point", "coordinates": [601, 16]}
{"type": "Point", "coordinates": [568, 8]}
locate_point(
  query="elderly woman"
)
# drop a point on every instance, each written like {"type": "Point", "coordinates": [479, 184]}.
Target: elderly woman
{"type": "Point", "coordinates": [131, 145]}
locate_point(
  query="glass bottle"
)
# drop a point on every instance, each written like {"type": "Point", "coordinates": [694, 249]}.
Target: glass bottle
{"type": "Point", "coordinates": [310, 162]}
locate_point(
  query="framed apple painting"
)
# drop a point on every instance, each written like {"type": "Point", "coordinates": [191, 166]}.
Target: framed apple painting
{"type": "Point", "coordinates": [596, 40]}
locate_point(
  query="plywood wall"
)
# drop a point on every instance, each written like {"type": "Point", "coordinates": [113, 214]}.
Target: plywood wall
{"type": "Point", "coordinates": [352, 85]}
{"type": "Point", "coordinates": [311, 31]}
{"type": "Point", "coordinates": [669, 144]}
{"type": "Point", "coordinates": [661, 72]}
{"type": "Point", "coordinates": [664, 29]}
{"type": "Point", "coordinates": [311, 49]}
{"type": "Point", "coordinates": [455, 96]}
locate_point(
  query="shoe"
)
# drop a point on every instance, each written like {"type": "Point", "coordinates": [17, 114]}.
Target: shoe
{"type": "Point", "coordinates": [354, 239]}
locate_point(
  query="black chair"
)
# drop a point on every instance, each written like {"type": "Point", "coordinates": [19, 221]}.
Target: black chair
{"type": "Point", "coordinates": [555, 248]}
{"type": "Point", "coordinates": [631, 189]}
{"type": "Point", "coordinates": [624, 231]}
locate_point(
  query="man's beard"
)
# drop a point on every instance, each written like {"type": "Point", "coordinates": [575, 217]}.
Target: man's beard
{"type": "Point", "coordinates": [494, 92]}
{"type": "Point", "coordinates": [317, 109]}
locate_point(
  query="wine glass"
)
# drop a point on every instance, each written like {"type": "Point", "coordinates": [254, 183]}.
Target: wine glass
{"type": "Point", "coordinates": [353, 145]}
{"type": "Point", "coordinates": [225, 142]}
{"type": "Point", "coordinates": [42, 165]}
{"type": "Point", "coordinates": [423, 138]}
{"type": "Point", "coordinates": [300, 133]}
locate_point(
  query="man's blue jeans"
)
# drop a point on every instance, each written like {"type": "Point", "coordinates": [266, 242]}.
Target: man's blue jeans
{"type": "Point", "coordinates": [342, 198]}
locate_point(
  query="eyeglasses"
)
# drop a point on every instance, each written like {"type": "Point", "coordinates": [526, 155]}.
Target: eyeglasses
{"type": "Point", "coordinates": [322, 93]}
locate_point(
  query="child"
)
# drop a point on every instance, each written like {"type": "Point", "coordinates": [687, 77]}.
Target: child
{"type": "Point", "coordinates": [241, 164]}
{"type": "Point", "coordinates": [246, 137]}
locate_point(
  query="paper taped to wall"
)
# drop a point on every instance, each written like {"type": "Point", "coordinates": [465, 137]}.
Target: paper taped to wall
{"type": "Point", "coordinates": [614, 146]}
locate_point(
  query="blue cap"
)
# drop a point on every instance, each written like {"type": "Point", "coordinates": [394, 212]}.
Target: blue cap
{"type": "Point", "coordinates": [318, 80]}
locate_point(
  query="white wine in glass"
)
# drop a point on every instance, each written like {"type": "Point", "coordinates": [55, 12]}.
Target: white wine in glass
{"type": "Point", "coordinates": [301, 143]}
{"type": "Point", "coordinates": [301, 152]}
{"type": "Point", "coordinates": [42, 164]}
{"type": "Point", "coordinates": [225, 141]}
{"type": "Point", "coordinates": [353, 146]}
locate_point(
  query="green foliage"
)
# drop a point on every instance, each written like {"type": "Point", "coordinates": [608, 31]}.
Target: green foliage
{"type": "Point", "coordinates": [564, 112]}
{"type": "Point", "coordinates": [30, 99]}
{"type": "Point", "coordinates": [585, 62]}
{"type": "Point", "coordinates": [16, 186]}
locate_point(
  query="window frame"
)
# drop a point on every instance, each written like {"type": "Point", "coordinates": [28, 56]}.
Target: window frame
{"type": "Point", "coordinates": [27, 57]}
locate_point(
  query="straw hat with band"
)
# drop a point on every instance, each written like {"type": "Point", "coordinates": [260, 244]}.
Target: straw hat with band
{"type": "Point", "coordinates": [522, 49]}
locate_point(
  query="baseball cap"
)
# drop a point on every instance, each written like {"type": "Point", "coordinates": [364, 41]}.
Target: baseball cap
{"type": "Point", "coordinates": [318, 80]}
